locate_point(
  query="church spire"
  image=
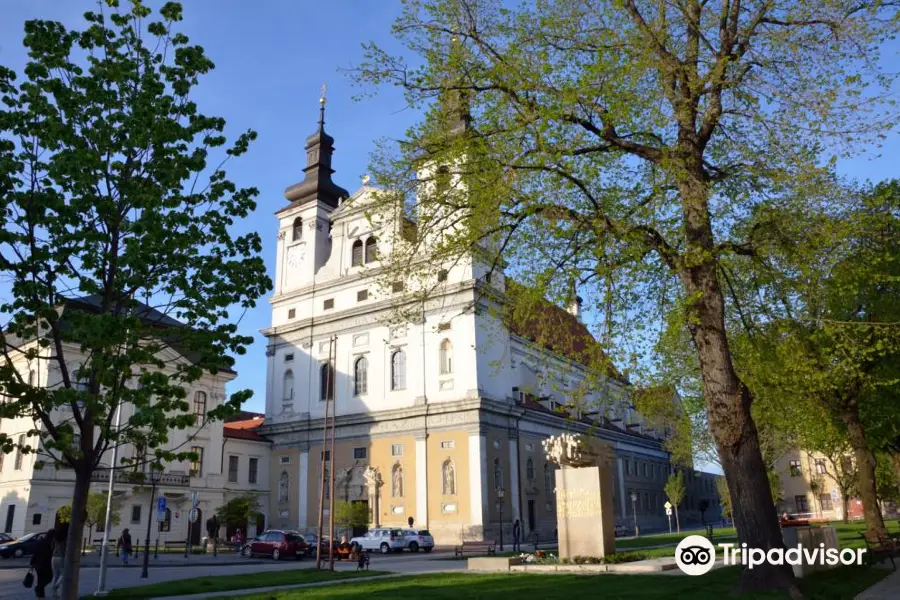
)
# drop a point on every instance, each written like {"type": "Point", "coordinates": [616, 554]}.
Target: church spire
{"type": "Point", "coordinates": [317, 183]}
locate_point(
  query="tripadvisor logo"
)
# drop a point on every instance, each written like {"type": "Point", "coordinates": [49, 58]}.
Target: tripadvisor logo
{"type": "Point", "coordinates": [696, 555]}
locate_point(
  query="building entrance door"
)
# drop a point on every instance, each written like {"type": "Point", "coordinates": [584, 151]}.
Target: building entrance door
{"type": "Point", "coordinates": [531, 515]}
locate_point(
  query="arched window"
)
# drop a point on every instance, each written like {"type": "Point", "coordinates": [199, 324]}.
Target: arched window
{"type": "Point", "coordinates": [326, 382]}
{"type": "Point", "coordinates": [548, 478]}
{"type": "Point", "coordinates": [498, 475]}
{"type": "Point", "coordinates": [288, 387]}
{"type": "Point", "coordinates": [529, 471]}
{"type": "Point", "coordinates": [448, 477]}
{"type": "Point", "coordinates": [398, 370]}
{"type": "Point", "coordinates": [360, 376]}
{"type": "Point", "coordinates": [284, 483]}
{"type": "Point", "coordinates": [442, 179]}
{"type": "Point", "coordinates": [371, 249]}
{"type": "Point", "coordinates": [200, 404]}
{"type": "Point", "coordinates": [397, 481]}
{"type": "Point", "coordinates": [356, 254]}
{"type": "Point", "coordinates": [297, 231]}
{"type": "Point", "coordinates": [446, 357]}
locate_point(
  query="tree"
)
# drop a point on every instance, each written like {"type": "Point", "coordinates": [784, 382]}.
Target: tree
{"type": "Point", "coordinates": [118, 241]}
{"type": "Point", "coordinates": [614, 143]}
{"type": "Point", "coordinates": [237, 512]}
{"type": "Point", "coordinates": [826, 342]}
{"type": "Point", "coordinates": [350, 514]}
{"type": "Point", "coordinates": [95, 511]}
{"type": "Point", "coordinates": [724, 496]}
{"type": "Point", "coordinates": [675, 492]}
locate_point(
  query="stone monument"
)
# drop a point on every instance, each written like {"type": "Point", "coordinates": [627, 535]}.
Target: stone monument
{"type": "Point", "coordinates": [584, 504]}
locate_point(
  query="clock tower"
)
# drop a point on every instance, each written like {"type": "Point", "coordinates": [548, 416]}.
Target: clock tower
{"type": "Point", "coordinates": [304, 236]}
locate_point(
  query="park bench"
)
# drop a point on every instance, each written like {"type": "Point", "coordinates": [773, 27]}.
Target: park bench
{"type": "Point", "coordinates": [880, 547]}
{"type": "Point", "coordinates": [476, 547]}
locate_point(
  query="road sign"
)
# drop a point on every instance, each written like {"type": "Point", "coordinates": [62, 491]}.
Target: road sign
{"type": "Point", "coordinates": [195, 514]}
{"type": "Point", "coordinates": [161, 516]}
{"type": "Point", "coordinates": [668, 506]}
{"type": "Point", "coordinates": [195, 499]}
{"type": "Point", "coordinates": [669, 512]}
{"type": "Point", "coordinates": [161, 505]}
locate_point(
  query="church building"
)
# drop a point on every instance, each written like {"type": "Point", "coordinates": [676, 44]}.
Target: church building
{"type": "Point", "coordinates": [439, 419]}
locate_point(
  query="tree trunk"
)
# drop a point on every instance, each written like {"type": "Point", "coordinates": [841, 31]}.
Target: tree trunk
{"type": "Point", "coordinates": [727, 398]}
{"type": "Point", "coordinates": [865, 467]}
{"type": "Point", "coordinates": [677, 522]}
{"type": "Point", "coordinates": [72, 561]}
{"type": "Point", "coordinates": [845, 510]}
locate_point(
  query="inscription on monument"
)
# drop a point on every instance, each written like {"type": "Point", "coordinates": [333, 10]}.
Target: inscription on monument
{"type": "Point", "coordinates": [578, 503]}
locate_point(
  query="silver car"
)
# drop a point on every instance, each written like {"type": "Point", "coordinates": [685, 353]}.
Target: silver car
{"type": "Point", "coordinates": [383, 540]}
{"type": "Point", "coordinates": [418, 538]}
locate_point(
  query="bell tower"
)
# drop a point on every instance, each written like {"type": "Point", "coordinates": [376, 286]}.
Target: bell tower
{"type": "Point", "coordinates": [304, 237]}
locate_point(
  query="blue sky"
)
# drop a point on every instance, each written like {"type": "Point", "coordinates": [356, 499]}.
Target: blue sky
{"type": "Point", "coordinates": [272, 57]}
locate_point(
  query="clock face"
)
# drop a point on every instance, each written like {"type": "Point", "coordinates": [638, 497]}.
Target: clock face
{"type": "Point", "coordinates": [295, 255]}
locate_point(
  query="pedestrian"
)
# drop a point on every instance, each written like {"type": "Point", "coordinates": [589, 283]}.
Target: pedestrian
{"type": "Point", "coordinates": [517, 536]}
{"type": "Point", "coordinates": [42, 563]}
{"type": "Point", "coordinates": [238, 540]}
{"type": "Point", "coordinates": [125, 545]}
{"type": "Point", "coordinates": [60, 536]}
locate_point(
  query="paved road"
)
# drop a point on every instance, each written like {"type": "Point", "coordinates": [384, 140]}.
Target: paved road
{"type": "Point", "coordinates": [11, 579]}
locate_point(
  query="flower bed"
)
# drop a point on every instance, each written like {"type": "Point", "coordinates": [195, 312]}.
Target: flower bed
{"type": "Point", "coordinates": [543, 558]}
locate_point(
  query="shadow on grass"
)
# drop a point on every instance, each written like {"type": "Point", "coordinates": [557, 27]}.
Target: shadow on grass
{"type": "Point", "coordinates": [844, 583]}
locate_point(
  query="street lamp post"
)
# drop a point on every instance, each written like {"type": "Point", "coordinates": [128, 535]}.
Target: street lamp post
{"type": "Point", "coordinates": [500, 494]}
{"type": "Point", "coordinates": [637, 532]}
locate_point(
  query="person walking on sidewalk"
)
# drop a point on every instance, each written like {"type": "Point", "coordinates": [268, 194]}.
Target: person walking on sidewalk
{"type": "Point", "coordinates": [60, 535]}
{"type": "Point", "coordinates": [125, 545]}
{"type": "Point", "coordinates": [42, 563]}
{"type": "Point", "coordinates": [517, 536]}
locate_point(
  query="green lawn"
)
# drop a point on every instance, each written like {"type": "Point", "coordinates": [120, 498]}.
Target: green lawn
{"type": "Point", "coordinates": [831, 585]}
{"type": "Point", "coordinates": [223, 583]}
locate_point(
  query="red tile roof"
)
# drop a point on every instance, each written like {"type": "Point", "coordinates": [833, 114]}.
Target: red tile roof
{"type": "Point", "coordinates": [245, 430]}
{"type": "Point", "coordinates": [555, 329]}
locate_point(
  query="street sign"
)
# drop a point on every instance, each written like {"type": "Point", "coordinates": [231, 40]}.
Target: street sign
{"type": "Point", "coordinates": [161, 516]}
{"type": "Point", "coordinates": [195, 514]}
{"type": "Point", "coordinates": [195, 499]}
{"type": "Point", "coordinates": [161, 505]}
{"type": "Point", "coordinates": [668, 506]}
{"type": "Point", "coordinates": [669, 512]}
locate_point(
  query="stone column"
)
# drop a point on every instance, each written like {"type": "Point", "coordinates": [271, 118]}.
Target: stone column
{"type": "Point", "coordinates": [373, 484]}
{"type": "Point", "coordinates": [422, 483]}
{"type": "Point", "coordinates": [514, 486]}
{"type": "Point", "coordinates": [478, 484]}
{"type": "Point", "coordinates": [623, 501]}
{"type": "Point", "coordinates": [302, 490]}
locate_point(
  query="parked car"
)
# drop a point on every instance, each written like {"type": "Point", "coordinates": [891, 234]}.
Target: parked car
{"type": "Point", "coordinates": [21, 547]}
{"type": "Point", "coordinates": [277, 544]}
{"type": "Point", "coordinates": [418, 538]}
{"type": "Point", "coordinates": [5, 537]}
{"type": "Point", "coordinates": [383, 540]}
{"type": "Point", "coordinates": [314, 543]}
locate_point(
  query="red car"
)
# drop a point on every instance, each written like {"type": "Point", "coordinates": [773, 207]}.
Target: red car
{"type": "Point", "coordinates": [278, 545]}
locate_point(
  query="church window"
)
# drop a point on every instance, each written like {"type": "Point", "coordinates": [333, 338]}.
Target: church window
{"type": "Point", "coordinates": [292, 313]}
{"type": "Point", "coordinates": [288, 386]}
{"type": "Point", "coordinates": [529, 470]}
{"type": "Point", "coordinates": [328, 304]}
{"type": "Point", "coordinates": [360, 376]}
{"type": "Point", "coordinates": [297, 231]}
{"type": "Point", "coordinates": [356, 254]}
{"type": "Point", "coordinates": [398, 286]}
{"type": "Point", "coordinates": [371, 249]}
{"type": "Point", "coordinates": [548, 478]}
{"type": "Point", "coordinates": [326, 382]}
{"type": "Point", "coordinates": [362, 295]}
{"type": "Point", "coordinates": [446, 357]}
{"type": "Point", "coordinates": [398, 370]}
{"type": "Point", "coordinates": [442, 179]}
{"type": "Point", "coordinates": [442, 275]}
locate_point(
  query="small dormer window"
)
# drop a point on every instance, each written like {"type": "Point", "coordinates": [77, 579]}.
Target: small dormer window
{"type": "Point", "coordinates": [297, 231]}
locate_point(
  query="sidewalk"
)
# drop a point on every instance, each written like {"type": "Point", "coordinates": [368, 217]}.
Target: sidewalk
{"type": "Point", "coordinates": [886, 589]}
{"type": "Point", "coordinates": [168, 560]}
